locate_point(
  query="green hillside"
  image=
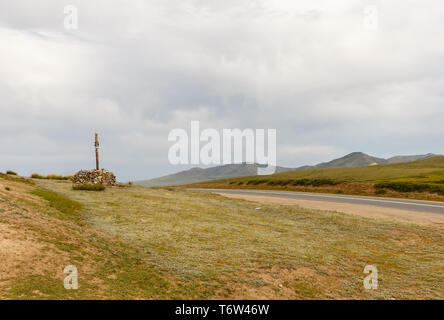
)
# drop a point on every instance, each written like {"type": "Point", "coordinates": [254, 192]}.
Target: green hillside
{"type": "Point", "coordinates": [199, 175]}
{"type": "Point", "coordinates": [422, 176]}
{"type": "Point", "coordinates": [427, 170]}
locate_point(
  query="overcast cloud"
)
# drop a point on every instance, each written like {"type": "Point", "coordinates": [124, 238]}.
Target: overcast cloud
{"type": "Point", "coordinates": [134, 70]}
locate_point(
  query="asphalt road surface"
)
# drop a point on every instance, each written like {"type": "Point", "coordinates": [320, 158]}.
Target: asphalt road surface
{"type": "Point", "coordinates": [403, 204]}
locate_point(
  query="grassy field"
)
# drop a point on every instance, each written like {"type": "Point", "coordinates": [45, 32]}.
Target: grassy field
{"type": "Point", "coordinates": [142, 243]}
{"type": "Point", "coordinates": [423, 179]}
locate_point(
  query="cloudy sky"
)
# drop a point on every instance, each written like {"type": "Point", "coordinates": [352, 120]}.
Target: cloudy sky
{"type": "Point", "coordinates": [318, 71]}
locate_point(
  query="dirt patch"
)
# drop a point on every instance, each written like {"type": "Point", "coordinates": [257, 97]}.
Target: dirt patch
{"type": "Point", "coordinates": [17, 251]}
{"type": "Point", "coordinates": [422, 218]}
{"type": "Point", "coordinates": [22, 251]}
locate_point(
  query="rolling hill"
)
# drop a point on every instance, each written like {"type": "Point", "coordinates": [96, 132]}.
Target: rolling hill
{"type": "Point", "coordinates": [355, 159]}
{"type": "Point", "coordinates": [360, 159]}
{"type": "Point", "coordinates": [198, 175]}
{"type": "Point", "coordinates": [195, 175]}
{"type": "Point", "coordinates": [425, 170]}
{"type": "Point", "coordinates": [410, 158]}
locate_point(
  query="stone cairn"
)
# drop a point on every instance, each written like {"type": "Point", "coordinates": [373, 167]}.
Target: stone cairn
{"type": "Point", "coordinates": [101, 176]}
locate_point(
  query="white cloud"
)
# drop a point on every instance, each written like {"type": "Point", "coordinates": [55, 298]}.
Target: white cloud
{"type": "Point", "coordinates": [135, 70]}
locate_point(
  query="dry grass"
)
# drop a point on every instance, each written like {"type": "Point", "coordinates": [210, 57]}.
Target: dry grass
{"type": "Point", "coordinates": [228, 249]}
{"type": "Point", "coordinates": [40, 235]}
{"type": "Point", "coordinates": [141, 243]}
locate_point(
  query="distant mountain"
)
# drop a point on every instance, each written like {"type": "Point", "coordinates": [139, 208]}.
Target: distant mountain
{"type": "Point", "coordinates": [360, 159]}
{"type": "Point", "coordinates": [355, 159]}
{"type": "Point", "coordinates": [198, 175]}
{"type": "Point", "coordinates": [410, 158]}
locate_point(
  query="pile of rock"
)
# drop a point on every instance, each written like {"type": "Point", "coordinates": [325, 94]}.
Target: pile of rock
{"type": "Point", "coordinates": [101, 176]}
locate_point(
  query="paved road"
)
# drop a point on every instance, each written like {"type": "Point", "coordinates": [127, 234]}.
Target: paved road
{"type": "Point", "coordinates": [404, 204]}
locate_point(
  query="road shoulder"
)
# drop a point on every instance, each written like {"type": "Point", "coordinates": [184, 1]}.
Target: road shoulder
{"type": "Point", "coordinates": [422, 218]}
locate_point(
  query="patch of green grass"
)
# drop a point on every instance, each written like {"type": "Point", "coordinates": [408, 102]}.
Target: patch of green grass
{"type": "Point", "coordinates": [305, 289]}
{"type": "Point", "coordinates": [68, 209]}
{"type": "Point", "coordinates": [89, 187]}
{"type": "Point", "coordinates": [40, 287]}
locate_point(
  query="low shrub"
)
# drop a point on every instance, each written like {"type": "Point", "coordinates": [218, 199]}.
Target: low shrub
{"type": "Point", "coordinates": [89, 187]}
{"type": "Point", "coordinates": [283, 182]}
{"type": "Point", "coordinates": [410, 187]}
{"type": "Point", "coordinates": [301, 182]}
{"type": "Point", "coordinates": [314, 182]}
{"type": "Point", "coordinates": [381, 191]}
{"type": "Point", "coordinates": [11, 177]}
{"type": "Point", "coordinates": [260, 181]}
{"type": "Point", "coordinates": [51, 177]}
{"type": "Point", "coordinates": [7, 188]}
{"type": "Point", "coordinates": [12, 173]}
{"type": "Point", "coordinates": [323, 182]}
{"type": "Point", "coordinates": [58, 177]}
{"type": "Point", "coordinates": [254, 182]}
{"type": "Point", "coordinates": [290, 182]}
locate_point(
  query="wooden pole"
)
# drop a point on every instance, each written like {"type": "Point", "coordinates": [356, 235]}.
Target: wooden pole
{"type": "Point", "coordinates": [96, 144]}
